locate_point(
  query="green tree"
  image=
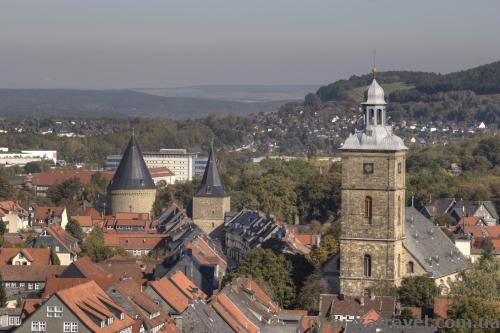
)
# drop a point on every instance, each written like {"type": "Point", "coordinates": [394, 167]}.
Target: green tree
{"type": "Point", "coordinates": [272, 272]}
{"type": "Point", "coordinates": [329, 246]}
{"type": "Point", "coordinates": [6, 190]}
{"type": "Point", "coordinates": [312, 152]}
{"type": "Point", "coordinates": [314, 286]}
{"type": "Point", "coordinates": [476, 310]}
{"type": "Point", "coordinates": [487, 249]}
{"type": "Point", "coordinates": [95, 247]}
{"type": "Point", "coordinates": [67, 192]}
{"type": "Point", "coordinates": [444, 220]}
{"type": "Point", "coordinates": [74, 228]}
{"type": "Point", "coordinates": [3, 292]}
{"type": "Point", "coordinates": [54, 258]}
{"type": "Point", "coordinates": [418, 291]}
{"type": "Point", "coordinates": [3, 228]}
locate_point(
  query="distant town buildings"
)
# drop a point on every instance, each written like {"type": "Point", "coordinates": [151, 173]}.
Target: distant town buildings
{"type": "Point", "coordinates": [183, 164]}
{"type": "Point", "coordinates": [22, 157]}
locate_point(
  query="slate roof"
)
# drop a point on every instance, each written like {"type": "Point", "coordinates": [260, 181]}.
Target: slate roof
{"type": "Point", "coordinates": [430, 246]}
{"type": "Point", "coordinates": [132, 172]}
{"type": "Point", "coordinates": [331, 305]}
{"type": "Point", "coordinates": [201, 318]}
{"type": "Point", "coordinates": [253, 227]}
{"type": "Point", "coordinates": [211, 184]}
{"type": "Point", "coordinates": [439, 206]}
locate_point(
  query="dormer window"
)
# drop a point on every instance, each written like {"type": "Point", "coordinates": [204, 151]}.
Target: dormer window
{"type": "Point", "coordinates": [110, 321]}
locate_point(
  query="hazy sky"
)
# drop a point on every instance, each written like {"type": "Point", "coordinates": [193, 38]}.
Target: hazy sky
{"type": "Point", "coordinates": [170, 43]}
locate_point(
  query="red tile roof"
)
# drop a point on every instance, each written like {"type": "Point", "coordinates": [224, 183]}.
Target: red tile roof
{"type": "Point", "coordinates": [469, 220]}
{"type": "Point", "coordinates": [184, 284]}
{"type": "Point", "coordinates": [45, 212]}
{"type": "Point", "coordinates": [204, 253]}
{"type": "Point", "coordinates": [37, 256]}
{"type": "Point", "coordinates": [132, 216]}
{"type": "Point", "coordinates": [92, 271]}
{"type": "Point", "coordinates": [170, 294]}
{"type": "Point", "coordinates": [69, 242]}
{"type": "Point", "coordinates": [10, 206]}
{"type": "Point", "coordinates": [28, 274]}
{"type": "Point", "coordinates": [483, 231]}
{"type": "Point", "coordinates": [160, 172]}
{"type": "Point", "coordinates": [233, 316]}
{"type": "Point", "coordinates": [54, 284]}
{"type": "Point", "coordinates": [88, 298]}
{"type": "Point", "coordinates": [85, 221]}
{"type": "Point", "coordinates": [30, 305]}
{"type": "Point", "coordinates": [133, 240]}
{"type": "Point", "coordinates": [52, 178]}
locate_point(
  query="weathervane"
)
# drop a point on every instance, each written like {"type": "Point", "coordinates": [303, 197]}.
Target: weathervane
{"type": "Point", "coordinates": [374, 69]}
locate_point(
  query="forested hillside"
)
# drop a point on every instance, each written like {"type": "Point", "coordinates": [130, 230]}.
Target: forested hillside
{"type": "Point", "coordinates": [465, 96]}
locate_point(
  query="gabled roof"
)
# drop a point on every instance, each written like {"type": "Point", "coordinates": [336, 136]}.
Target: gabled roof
{"type": "Point", "coordinates": [233, 316]}
{"type": "Point", "coordinates": [170, 294]}
{"type": "Point", "coordinates": [84, 221]}
{"type": "Point", "coordinates": [29, 274]}
{"type": "Point", "coordinates": [186, 286]}
{"type": "Point", "coordinates": [440, 206]}
{"type": "Point", "coordinates": [133, 240]}
{"type": "Point", "coordinates": [430, 246]}
{"type": "Point", "coordinates": [51, 178]}
{"type": "Point", "coordinates": [37, 256]}
{"type": "Point", "coordinates": [67, 241]}
{"type": "Point", "coordinates": [331, 305]}
{"type": "Point", "coordinates": [54, 284]}
{"type": "Point", "coordinates": [132, 172]}
{"type": "Point", "coordinates": [85, 268]}
{"type": "Point", "coordinates": [47, 212]}
{"type": "Point", "coordinates": [89, 302]}
{"type": "Point", "coordinates": [9, 206]}
{"type": "Point", "coordinates": [211, 184]}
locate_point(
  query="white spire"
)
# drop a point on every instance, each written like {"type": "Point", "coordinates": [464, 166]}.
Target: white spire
{"type": "Point", "coordinates": [374, 95]}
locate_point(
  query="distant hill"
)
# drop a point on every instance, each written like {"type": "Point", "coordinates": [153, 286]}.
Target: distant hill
{"type": "Point", "coordinates": [90, 103]}
{"type": "Point", "coordinates": [465, 97]}
{"type": "Point", "coordinates": [239, 93]}
{"type": "Point", "coordinates": [414, 86]}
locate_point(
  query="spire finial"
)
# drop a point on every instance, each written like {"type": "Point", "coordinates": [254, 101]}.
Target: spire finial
{"type": "Point", "coordinates": [374, 68]}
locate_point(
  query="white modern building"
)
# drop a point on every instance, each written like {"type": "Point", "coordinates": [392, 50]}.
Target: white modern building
{"type": "Point", "coordinates": [21, 157]}
{"type": "Point", "coordinates": [185, 165]}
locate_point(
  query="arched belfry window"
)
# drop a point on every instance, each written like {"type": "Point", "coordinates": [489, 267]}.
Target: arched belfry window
{"type": "Point", "coordinates": [372, 117]}
{"type": "Point", "coordinates": [410, 267]}
{"type": "Point", "coordinates": [367, 265]}
{"type": "Point", "coordinates": [379, 116]}
{"type": "Point", "coordinates": [368, 209]}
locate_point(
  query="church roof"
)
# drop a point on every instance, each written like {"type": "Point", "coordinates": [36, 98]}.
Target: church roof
{"type": "Point", "coordinates": [377, 138]}
{"type": "Point", "coordinates": [430, 246]}
{"type": "Point", "coordinates": [211, 184]}
{"type": "Point", "coordinates": [132, 172]}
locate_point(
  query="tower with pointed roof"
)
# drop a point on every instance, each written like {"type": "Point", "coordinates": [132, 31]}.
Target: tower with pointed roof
{"type": "Point", "coordinates": [373, 200]}
{"type": "Point", "coordinates": [211, 201]}
{"type": "Point", "coordinates": [132, 189]}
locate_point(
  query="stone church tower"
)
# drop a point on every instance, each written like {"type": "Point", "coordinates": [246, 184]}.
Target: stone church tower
{"type": "Point", "coordinates": [132, 189]}
{"type": "Point", "coordinates": [211, 201]}
{"type": "Point", "coordinates": [373, 201]}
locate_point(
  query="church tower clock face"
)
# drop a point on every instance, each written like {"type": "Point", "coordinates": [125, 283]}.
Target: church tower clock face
{"type": "Point", "coordinates": [368, 167]}
{"type": "Point", "coordinates": [371, 241]}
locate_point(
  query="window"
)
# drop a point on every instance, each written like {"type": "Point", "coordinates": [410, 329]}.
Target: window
{"type": "Point", "coordinates": [30, 286]}
{"type": "Point", "coordinates": [37, 286]}
{"type": "Point", "coordinates": [38, 326]}
{"type": "Point", "coordinates": [400, 167]}
{"type": "Point", "coordinates": [57, 249]}
{"type": "Point", "coordinates": [14, 321]}
{"type": "Point", "coordinates": [21, 285]}
{"type": "Point", "coordinates": [399, 210]}
{"type": "Point", "coordinates": [368, 209]}
{"type": "Point", "coordinates": [367, 266]}
{"type": "Point", "coordinates": [409, 267]}
{"type": "Point", "coordinates": [371, 118]}
{"type": "Point", "coordinates": [70, 326]}
{"type": "Point", "coordinates": [379, 117]}
{"type": "Point", "coordinates": [54, 311]}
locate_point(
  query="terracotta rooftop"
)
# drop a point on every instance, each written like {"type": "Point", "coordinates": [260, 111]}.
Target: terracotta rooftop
{"type": "Point", "coordinates": [233, 316]}
{"type": "Point", "coordinates": [54, 284]}
{"type": "Point", "coordinates": [10, 206]}
{"type": "Point", "coordinates": [37, 256]}
{"type": "Point", "coordinates": [69, 242]}
{"type": "Point", "coordinates": [133, 240]}
{"type": "Point", "coordinates": [30, 305]}
{"type": "Point", "coordinates": [52, 178]}
{"type": "Point", "coordinates": [160, 172]}
{"type": "Point", "coordinates": [188, 288]}
{"type": "Point", "coordinates": [170, 294]}
{"type": "Point", "coordinates": [90, 303]}
{"type": "Point", "coordinates": [85, 221]}
{"type": "Point", "coordinates": [89, 270]}
{"type": "Point", "coordinates": [47, 212]}
{"type": "Point", "coordinates": [28, 274]}
{"type": "Point", "coordinates": [205, 253]}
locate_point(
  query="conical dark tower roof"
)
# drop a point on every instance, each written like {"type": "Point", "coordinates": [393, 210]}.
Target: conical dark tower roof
{"type": "Point", "coordinates": [132, 172]}
{"type": "Point", "coordinates": [211, 184]}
